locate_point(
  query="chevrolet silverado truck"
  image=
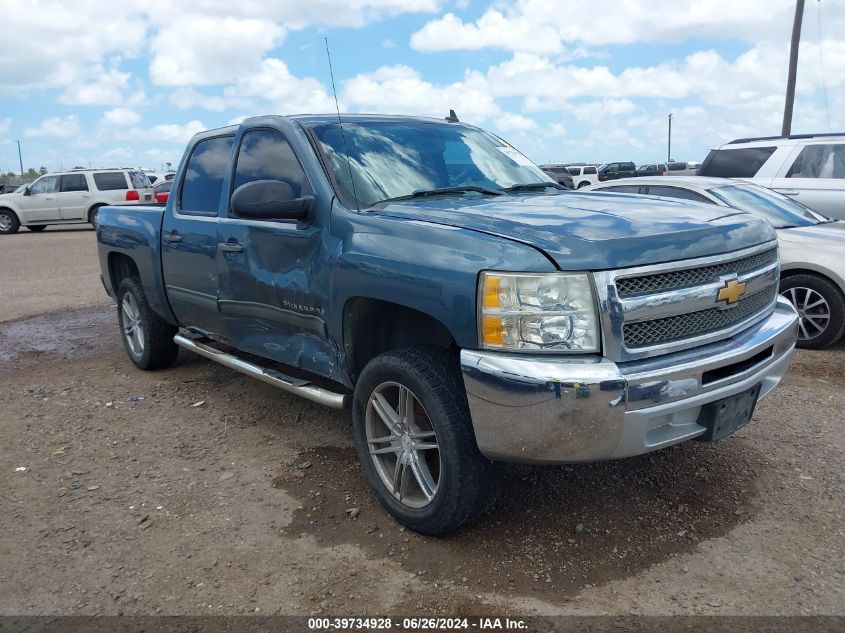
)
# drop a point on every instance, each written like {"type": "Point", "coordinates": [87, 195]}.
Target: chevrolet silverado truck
{"type": "Point", "coordinates": [470, 312]}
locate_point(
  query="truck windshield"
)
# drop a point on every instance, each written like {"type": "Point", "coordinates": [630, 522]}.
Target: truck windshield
{"type": "Point", "coordinates": [390, 159]}
{"type": "Point", "coordinates": [779, 210]}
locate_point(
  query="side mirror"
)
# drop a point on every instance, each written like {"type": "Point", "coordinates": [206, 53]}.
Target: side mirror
{"type": "Point", "coordinates": [27, 192]}
{"type": "Point", "coordinates": [270, 200]}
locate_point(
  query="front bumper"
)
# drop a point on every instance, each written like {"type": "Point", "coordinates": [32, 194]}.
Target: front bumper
{"type": "Point", "coordinates": [553, 409]}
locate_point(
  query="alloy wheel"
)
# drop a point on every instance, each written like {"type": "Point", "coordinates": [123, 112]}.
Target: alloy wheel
{"type": "Point", "coordinates": [132, 324]}
{"type": "Point", "coordinates": [5, 222]}
{"type": "Point", "coordinates": [813, 311]}
{"type": "Point", "coordinates": [403, 444]}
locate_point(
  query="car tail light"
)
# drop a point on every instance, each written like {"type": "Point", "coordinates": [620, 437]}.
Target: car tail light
{"type": "Point", "coordinates": [132, 195]}
{"type": "Point", "coordinates": [602, 177]}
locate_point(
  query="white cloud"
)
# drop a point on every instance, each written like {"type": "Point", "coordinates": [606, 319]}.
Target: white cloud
{"type": "Point", "coordinates": [121, 117]}
{"type": "Point", "coordinates": [107, 87]}
{"type": "Point", "coordinates": [56, 127]}
{"type": "Point", "coordinates": [172, 132]}
{"type": "Point", "coordinates": [509, 122]}
{"type": "Point", "coordinates": [545, 26]}
{"type": "Point", "coordinates": [286, 93]}
{"type": "Point", "coordinates": [5, 126]}
{"type": "Point", "coordinates": [402, 90]}
{"type": "Point", "coordinates": [388, 43]}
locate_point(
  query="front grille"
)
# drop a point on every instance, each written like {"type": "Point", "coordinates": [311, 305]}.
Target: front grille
{"type": "Point", "coordinates": [677, 279]}
{"type": "Point", "coordinates": [684, 326]}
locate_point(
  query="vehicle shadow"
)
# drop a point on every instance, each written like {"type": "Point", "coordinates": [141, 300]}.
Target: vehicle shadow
{"type": "Point", "coordinates": [553, 530]}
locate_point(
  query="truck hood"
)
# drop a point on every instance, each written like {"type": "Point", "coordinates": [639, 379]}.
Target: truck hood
{"type": "Point", "coordinates": [595, 231]}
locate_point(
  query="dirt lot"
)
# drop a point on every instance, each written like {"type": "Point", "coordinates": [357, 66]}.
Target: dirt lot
{"type": "Point", "coordinates": [185, 492]}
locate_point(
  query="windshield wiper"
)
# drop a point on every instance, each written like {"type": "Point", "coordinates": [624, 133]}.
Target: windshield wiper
{"type": "Point", "coordinates": [534, 185]}
{"type": "Point", "coordinates": [422, 193]}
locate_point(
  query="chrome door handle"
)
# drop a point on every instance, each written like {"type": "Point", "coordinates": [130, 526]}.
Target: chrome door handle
{"type": "Point", "coordinates": [231, 247]}
{"type": "Point", "coordinates": [172, 237]}
{"type": "Point", "coordinates": [788, 193]}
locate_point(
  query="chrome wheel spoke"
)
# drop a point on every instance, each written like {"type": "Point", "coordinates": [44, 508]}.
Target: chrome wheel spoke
{"type": "Point", "coordinates": [423, 477]}
{"type": "Point", "coordinates": [402, 444]}
{"type": "Point", "coordinates": [803, 329]}
{"type": "Point", "coordinates": [388, 415]}
{"type": "Point", "coordinates": [820, 302]}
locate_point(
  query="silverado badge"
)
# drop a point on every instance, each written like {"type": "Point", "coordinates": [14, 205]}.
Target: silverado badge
{"type": "Point", "coordinates": [732, 292]}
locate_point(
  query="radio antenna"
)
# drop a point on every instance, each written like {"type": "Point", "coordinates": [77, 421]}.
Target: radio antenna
{"type": "Point", "coordinates": [340, 124]}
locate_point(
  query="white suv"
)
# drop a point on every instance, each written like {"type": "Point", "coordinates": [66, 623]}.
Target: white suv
{"type": "Point", "coordinates": [71, 197]}
{"type": "Point", "coordinates": [809, 168]}
{"type": "Point", "coordinates": [583, 175]}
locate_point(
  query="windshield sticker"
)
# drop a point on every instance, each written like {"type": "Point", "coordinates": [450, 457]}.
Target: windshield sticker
{"type": "Point", "coordinates": [515, 156]}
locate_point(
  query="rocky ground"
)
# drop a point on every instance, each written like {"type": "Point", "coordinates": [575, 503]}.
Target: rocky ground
{"type": "Point", "coordinates": [196, 490]}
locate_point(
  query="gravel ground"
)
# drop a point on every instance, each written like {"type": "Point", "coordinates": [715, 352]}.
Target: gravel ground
{"type": "Point", "coordinates": [196, 490]}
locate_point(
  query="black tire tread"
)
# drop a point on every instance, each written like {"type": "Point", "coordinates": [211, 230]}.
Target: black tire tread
{"type": "Point", "coordinates": [159, 350]}
{"type": "Point", "coordinates": [835, 299]}
{"type": "Point", "coordinates": [16, 224]}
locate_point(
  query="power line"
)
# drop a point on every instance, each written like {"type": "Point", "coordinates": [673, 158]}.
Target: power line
{"type": "Point", "coordinates": [821, 63]}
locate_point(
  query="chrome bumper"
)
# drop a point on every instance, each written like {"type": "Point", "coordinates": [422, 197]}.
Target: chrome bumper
{"type": "Point", "coordinates": [553, 409]}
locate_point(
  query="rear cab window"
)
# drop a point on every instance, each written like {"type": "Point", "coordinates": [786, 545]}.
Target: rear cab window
{"type": "Point", "coordinates": [202, 184]}
{"type": "Point", "coordinates": [110, 180]}
{"type": "Point", "coordinates": [743, 162]}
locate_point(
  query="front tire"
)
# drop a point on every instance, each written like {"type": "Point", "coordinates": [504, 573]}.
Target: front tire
{"type": "Point", "coordinates": [415, 441]}
{"type": "Point", "coordinates": [821, 309]}
{"type": "Point", "coordinates": [8, 222]}
{"type": "Point", "coordinates": [147, 338]}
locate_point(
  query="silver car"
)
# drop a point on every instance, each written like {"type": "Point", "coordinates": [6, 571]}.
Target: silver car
{"type": "Point", "coordinates": [812, 247]}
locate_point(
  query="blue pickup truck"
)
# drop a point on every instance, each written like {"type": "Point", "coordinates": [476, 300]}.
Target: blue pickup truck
{"type": "Point", "coordinates": [469, 311]}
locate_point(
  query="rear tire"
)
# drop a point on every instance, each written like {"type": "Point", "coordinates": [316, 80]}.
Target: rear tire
{"type": "Point", "coordinates": [8, 222]}
{"type": "Point", "coordinates": [583, 184]}
{"type": "Point", "coordinates": [821, 309]}
{"type": "Point", "coordinates": [92, 215]}
{"type": "Point", "coordinates": [427, 472]}
{"type": "Point", "coordinates": [147, 338]}
{"type": "Point", "coordinates": [37, 228]}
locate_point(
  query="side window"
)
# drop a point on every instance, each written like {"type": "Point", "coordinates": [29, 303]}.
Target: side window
{"type": "Point", "coordinates": [589, 170]}
{"type": "Point", "coordinates": [110, 181]}
{"type": "Point", "coordinates": [622, 189]}
{"type": "Point", "coordinates": [203, 181]}
{"type": "Point", "coordinates": [74, 182]}
{"type": "Point", "coordinates": [735, 163]}
{"type": "Point", "coordinates": [676, 192]}
{"type": "Point", "coordinates": [266, 155]}
{"type": "Point", "coordinates": [47, 184]}
{"type": "Point", "coordinates": [819, 161]}
{"type": "Point", "coordinates": [139, 180]}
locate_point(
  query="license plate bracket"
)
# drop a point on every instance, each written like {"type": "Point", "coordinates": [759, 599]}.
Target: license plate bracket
{"type": "Point", "coordinates": [725, 417]}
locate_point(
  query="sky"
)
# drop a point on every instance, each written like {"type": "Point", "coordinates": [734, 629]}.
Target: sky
{"type": "Point", "coordinates": [127, 84]}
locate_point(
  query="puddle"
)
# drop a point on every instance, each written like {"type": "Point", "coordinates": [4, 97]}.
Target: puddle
{"type": "Point", "coordinates": [63, 335]}
{"type": "Point", "coordinates": [553, 530]}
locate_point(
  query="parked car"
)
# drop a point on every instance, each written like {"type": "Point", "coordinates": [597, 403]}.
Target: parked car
{"type": "Point", "coordinates": [583, 175]}
{"type": "Point", "coordinates": [560, 174]}
{"type": "Point", "coordinates": [162, 191]}
{"type": "Point", "coordinates": [651, 169]}
{"type": "Point", "coordinates": [8, 188]}
{"type": "Point", "coordinates": [807, 167]}
{"type": "Point", "coordinates": [681, 168]}
{"type": "Point", "coordinates": [71, 197]}
{"type": "Point", "coordinates": [614, 171]}
{"type": "Point", "coordinates": [427, 275]}
{"type": "Point", "coordinates": [812, 247]}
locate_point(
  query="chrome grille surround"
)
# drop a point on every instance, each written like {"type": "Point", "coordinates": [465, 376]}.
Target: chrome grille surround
{"type": "Point", "coordinates": [657, 319]}
{"type": "Point", "coordinates": [675, 279]}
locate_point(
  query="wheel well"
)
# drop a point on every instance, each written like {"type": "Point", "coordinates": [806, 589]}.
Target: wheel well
{"type": "Point", "coordinates": [120, 267]}
{"type": "Point", "coordinates": [93, 208]}
{"type": "Point", "coordinates": [371, 327]}
{"type": "Point", "coordinates": [12, 211]}
{"type": "Point", "coordinates": [784, 274]}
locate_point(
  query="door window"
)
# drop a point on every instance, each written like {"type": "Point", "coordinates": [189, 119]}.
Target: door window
{"type": "Point", "coordinates": [676, 192]}
{"type": "Point", "coordinates": [622, 189]}
{"type": "Point", "coordinates": [819, 161]}
{"type": "Point", "coordinates": [74, 182]}
{"type": "Point", "coordinates": [48, 184]}
{"type": "Point", "coordinates": [266, 155]}
{"type": "Point", "coordinates": [203, 182]}
{"type": "Point", "coordinates": [589, 170]}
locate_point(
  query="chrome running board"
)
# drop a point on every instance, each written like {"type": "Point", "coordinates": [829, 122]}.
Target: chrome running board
{"type": "Point", "coordinates": [284, 382]}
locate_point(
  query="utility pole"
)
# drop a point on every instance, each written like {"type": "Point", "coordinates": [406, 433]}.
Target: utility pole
{"type": "Point", "coordinates": [20, 159]}
{"type": "Point", "coordinates": [669, 146]}
{"type": "Point", "coordinates": [793, 68]}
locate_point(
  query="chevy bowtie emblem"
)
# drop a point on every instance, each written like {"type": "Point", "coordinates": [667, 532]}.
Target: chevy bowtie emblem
{"type": "Point", "coordinates": [732, 291]}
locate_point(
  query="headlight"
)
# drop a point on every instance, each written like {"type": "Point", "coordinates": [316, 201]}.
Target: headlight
{"type": "Point", "coordinates": [549, 312]}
